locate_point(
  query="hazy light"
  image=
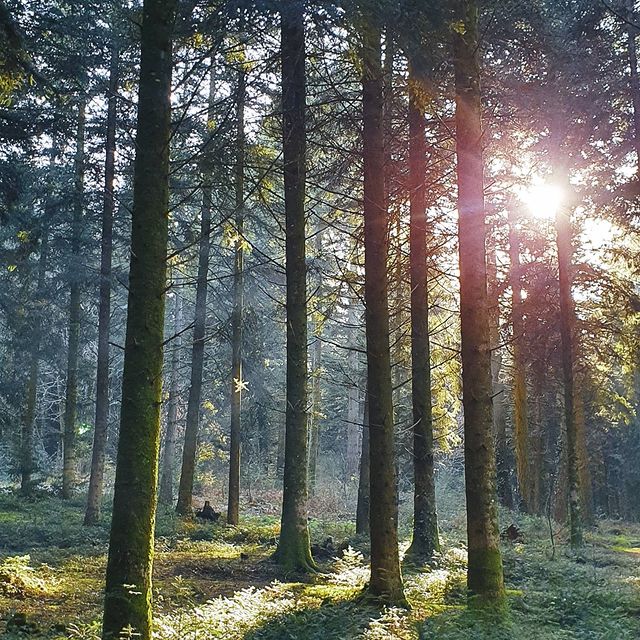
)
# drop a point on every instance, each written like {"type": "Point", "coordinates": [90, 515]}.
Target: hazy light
{"type": "Point", "coordinates": [542, 200]}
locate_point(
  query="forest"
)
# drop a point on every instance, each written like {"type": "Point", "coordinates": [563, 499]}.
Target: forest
{"type": "Point", "coordinates": [320, 319]}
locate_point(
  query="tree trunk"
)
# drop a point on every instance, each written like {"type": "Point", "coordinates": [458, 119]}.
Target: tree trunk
{"type": "Point", "coordinates": [184, 506]}
{"type": "Point", "coordinates": [294, 550]}
{"type": "Point", "coordinates": [94, 497]}
{"type": "Point", "coordinates": [316, 403]}
{"type": "Point", "coordinates": [165, 495]}
{"type": "Point", "coordinates": [564, 237]}
{"type": "Point", "coordinates": [386, 581]}
{"type": "Point", "coordinates": [26, 444]}
{"type": "Point", "coordinates": [362, 508]}
{"type": "Point", "coordinates": [484, 574]}
{"type": "Point", "coordinates": [354, 419]}
{"type": "Point", "coordinates": [634, 79]}
{"type": "Point", "coordinates": [523, 446]}
{"type": "Point", "coordinates": [71, 393]}
{"type": "Point", "coordinates": [128, 585]}
{"type": "Point", "coordinates": [425, 541]}
{"type": "Point", "coordinates": [233, 510]}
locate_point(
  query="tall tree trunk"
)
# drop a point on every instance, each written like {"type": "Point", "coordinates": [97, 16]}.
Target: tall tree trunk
{"type": "Point", "coordinates": [96, 481]}
{"type": "Point", "coordinates": [564, 239]}
{"type": "Point", "coordinates": [134, 505]}
{"type": "Point", "coordinates": [529, 493]}
{"type": "Point", "coordinates": [484, 574]}
{"type": "Point", "coordinates": [316, 404]}
{"type": "Point", "coordinates": [28, 420]}
{"type": "Point", "coordinates": [294, 550]}
{"type": "Point", "coordinates": [386, 580]}
{"type": "Point", "coordinates": [354, 404]}
{"type": "Point", "coordinates": [362, 508]}
{"type": "Point", "coordinates": [71, 393]}
{"type": "Point", "coordinates": [165, 495]}
{"type": "Point", "coordinates": [185, 490]}
{"type": "Point", "coordinates": [425, 541]}
{"type": "Point", "coordinates": [233, 508]}
{"type": "Point", "coordinates": [634, 78]}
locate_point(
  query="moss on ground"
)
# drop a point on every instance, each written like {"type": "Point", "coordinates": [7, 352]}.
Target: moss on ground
{"type": "Point", "coordinates": [218, 582]}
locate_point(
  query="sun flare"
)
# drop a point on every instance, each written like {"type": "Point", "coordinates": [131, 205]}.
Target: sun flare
{"type": "Point", "coordinates": [542, 200]}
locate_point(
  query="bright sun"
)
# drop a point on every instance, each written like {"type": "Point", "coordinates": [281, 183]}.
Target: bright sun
{"type": "Point", "coordinates": [543, 200]}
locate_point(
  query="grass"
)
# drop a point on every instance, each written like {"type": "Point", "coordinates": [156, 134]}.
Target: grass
{"type": "Point", "coordinates": [218, 582]}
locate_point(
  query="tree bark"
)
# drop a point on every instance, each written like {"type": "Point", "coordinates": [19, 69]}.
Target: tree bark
{"type": "Point", "coordinates": [96, 481]}
{"type": "Point", "coordinates": [165, 495]}
{"type": "Point", "coordinates": [425, 541]}
{"type": "Point", "coordinates": [128, 584]}
{"type": "Point", "coordinates": [362, 508]}
{"type": "Point", "coordinates": [71, 392]}
{"type": "Point", "coordinates": [386, 580]}
{"type": "Point", "coordinates": [316, 403]}
{"type": "Point", "coordinates": [484, 574]}
{"type": "Point", "coordinates": [233, 509]}
{"type": "Point", "coordinates": [184, 505]}
{"type": "Point", "coordinates": [294, 550]}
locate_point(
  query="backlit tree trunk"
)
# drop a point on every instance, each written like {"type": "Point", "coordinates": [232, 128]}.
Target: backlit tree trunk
{"type": "Point", "coordinates": [386, 581]}
{"type": "Point", "coordinates": [94, 497]}
{"type": "Point", "coordinates": [362, 508]}
{"type": "Point", "coordinates": [294, 550]}
{"type": "Point", "coordinates": [425, 541]}
{"type": "Point", "coordinates": [71, 392]}
{"type": "Point", "coordinates": [484, 574]}
{"type": "Point", "coordinates": [128, 584]}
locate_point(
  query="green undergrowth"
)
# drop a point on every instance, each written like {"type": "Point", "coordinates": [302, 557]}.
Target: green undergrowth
{"type": "Point", "coordinates": [215, 581]}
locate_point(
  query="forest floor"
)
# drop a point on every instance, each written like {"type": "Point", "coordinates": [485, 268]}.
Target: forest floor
{"type": "Point", "coordinates": [215, 581]}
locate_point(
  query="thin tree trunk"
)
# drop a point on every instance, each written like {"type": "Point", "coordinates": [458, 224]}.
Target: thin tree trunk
{"type": "Point", "coordinates": [233, 509]}
{"type": "Point", "coordinates": [354, 420]}
{"type": "Point", "coordinates": [165, 495]}
{"type": "Point", "coordinates": [484, 574]}
{"type": "Point", "coordinates": [128, 584]}
{"type": "Point", "coordinates": [316, 403]}
{"type": "Point", "coordinates": [184, 505]}
{"type": "Point", "coordinates": [362, 508]}
{"type": "Point", "coordinates": [294, 550]}
{"type": "Point", "coordinates": [425, 541]}
{"type": "Point", "coordinates": [71, 393]}
{"type": "Point", "coordinates": [386, 580]}
{"type": "Point", "coordinates": [96, 481]}
{"type": "Point", "coordinates": [26, 444]}
{"type": "Point", "coordinates": [523, 444]}
{"type": "Point", "coordinates": [634, 79]}
{"type": "Point", "coordinates": [564, 238]}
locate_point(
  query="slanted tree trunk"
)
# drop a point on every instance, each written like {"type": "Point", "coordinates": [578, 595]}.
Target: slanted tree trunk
{"type": "Point", "coordinates": [128, 584]}
{"type": "Point", "coordinates": [165, 495]}
{"type": "Point", "coordinates": [425, 541]}
{"type": "Point", "coordinates": [484, 574]}
{"type": "Point", "coordinates": [233, 507]}
{"type": "Point", "coordinates": [362, 508]}
{"type": "Point", "coordinates": [386, 580]}
{"type": "Point", "coordinates": [294, 551]}
{"type": "Point", "coordinates": [71, 392]}
{"type": "Point", "coordinates": [564, 240]}
{"type": "Point", "coordinates": [96, 481]}
{"type": "Point", "coordinates": [524, 447]}
{"type": "Point", "coordinates": [28, 420]}
{"type": "Point", "coordinates": [184, 505]}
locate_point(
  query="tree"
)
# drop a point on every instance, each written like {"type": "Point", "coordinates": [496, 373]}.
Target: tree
{"type": "Point", "coordinates": [425, 541]}
{"type": "Point", "coordinates": [128, 581]}
{"type": "Point", "coordinates": [484, 574]}
{"type": "Point", "coordinates": [294, 551]}
{"type": "Point", "coordinates": [386, 580]}
{"type": "Point", "coordinates": [96, 481]}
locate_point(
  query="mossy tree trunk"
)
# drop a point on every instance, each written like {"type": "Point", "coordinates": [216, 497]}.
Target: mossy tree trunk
{"type": "Point", "coordinates": [386, 580]}
{"type": "Point", "coordinates": [96, 480]}
{"type": "Point", "coordinates": [233, 507]}
{"type": "Point", "coordinates": [165, 495]}
{"type": "Point", "coordinates": [294, 550]}
{"type": "Point", "coordinates": [184, 505]}
{"type": "Point", "coordinates": [128, 583]}
{"type": "Point", "coordinates": [75, 269]}
{"type": "Point", "coordinates": [484, 574]}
